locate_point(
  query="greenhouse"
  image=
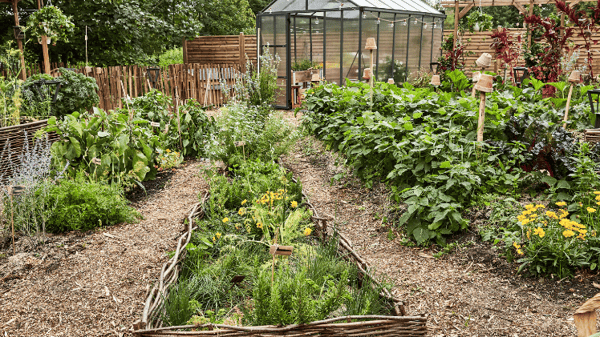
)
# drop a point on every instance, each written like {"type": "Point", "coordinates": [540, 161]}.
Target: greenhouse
{"type": "Point", "coordinates": [329, 38]}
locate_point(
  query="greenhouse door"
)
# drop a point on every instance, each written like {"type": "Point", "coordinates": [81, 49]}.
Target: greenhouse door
{"type": "Point", "coordinates": [274, 37]}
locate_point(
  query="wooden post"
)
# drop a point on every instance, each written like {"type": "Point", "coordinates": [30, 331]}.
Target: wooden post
{"type": "Point", "coordinates": [12, 219]}
{"type": "Point", "coordinates": [184, 46]}
{"type": "Point", "coordinates": [529, 26]}
{"type": "Point", "coordinates": [567, 107]}
{"type": "Point", "coordinates": [481, 117]}
{"type": "Point", "coordinates": [23, 73]}
{"type": "Point", "coordinates": [456, 18]}
{"type": "Point", "coordinates": [44, 47]}
{"type": "Point", "coordinates": [243, 52]}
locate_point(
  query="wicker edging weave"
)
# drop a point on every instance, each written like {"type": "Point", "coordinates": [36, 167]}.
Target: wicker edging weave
{"type": "Point", "coordinates": [368, 325]}
{"type": "Point", "coordinates": [592, 135]}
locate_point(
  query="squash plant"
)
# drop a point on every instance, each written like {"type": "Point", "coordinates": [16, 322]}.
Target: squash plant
{"type": "Point", "coordinates": [105, 146]}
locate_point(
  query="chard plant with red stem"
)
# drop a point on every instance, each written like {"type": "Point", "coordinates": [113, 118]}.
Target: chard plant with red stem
{"type": "Point", "coordinates": [507, 47]}
{"type": "Point", "coordinates": [586, 27]}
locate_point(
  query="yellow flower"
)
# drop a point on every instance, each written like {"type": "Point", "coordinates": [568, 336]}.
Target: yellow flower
{"type": "Point", "coordinates": [591, 210]}
{"type": "Point", "coordinates": [529, 207]}
{"type": "Point", "coordinates": [307, 231]}
{"type": "Point", "coordinates": [563, 214]}
{"type": "Point", "coordinates": [540, 206]}
{"type": "Point", "coordinates": [581, 236]}
{"type": "Point", "coordinates": [533, 216]}
{"type": "Point", "coordinates": [529, 234]}
{"type": "Point", "coordinates": [225, 220]}
{"type": "Point", "coordinates": [516, 245]}
{"type": "Point", "coordinates": [561, 204]}
{"type": "Point", "coordinates": [522, 217]}
{"type": "Point", "coordinates": [551, 215]}
{"type": "Point", "coordinates": [598, 203]}
{"type": "Point", "coordinates": [242, 211]}
{"type": "Point", "coordinates": [294, 204]}
{"type": "Point", "coordinates": [214, 240]}
{"type": "Point", "coordinates": [597, 192]}
{"type": "Point", "coordinates": [525, 222]}
{"type": "Point", "coordinates": [259, 225]}
{"type": "Point", "coordinates": [598, 198]}
{"type": "Point", "coordinates": [244, 202]}
{"type": "Point", "coordinates": [539, 232]}
{"type": "Point", "coordinates": [218, 235]}
{"type": "Point", "coordinates": [594, 233]}
{"type": "Point", "coordinates": [168, 150]}
{"type": "Point", "coordinates": [583, 231]}
{"type": "Point", "coordinates": [568, 233]}
{"type": "Point", "coordinates": [520, 252]}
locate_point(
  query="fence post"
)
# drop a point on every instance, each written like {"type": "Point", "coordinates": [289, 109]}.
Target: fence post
{"type": "Point", "coordinates": [243, 51]}
{"type": "Point", "coordinates": [185, 56]}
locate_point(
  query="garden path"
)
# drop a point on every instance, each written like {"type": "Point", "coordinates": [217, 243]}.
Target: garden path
{"type": "Point", "coordinates": [96, 284]}
{"type": "Point", "coordinates": [464, 294]}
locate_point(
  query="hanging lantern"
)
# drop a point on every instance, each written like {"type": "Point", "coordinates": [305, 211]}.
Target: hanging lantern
{"type": "Point", "coordinates": [519, 74]}
{"type": "Point", "coordinates": [404, 23]}
{"type": "Point", "coordinates": [594, 98]}
{"type": "Point", "coordinates": [317, 21]}
{"type": "Point", "coordinates": [391, 81]}
{"type": "Point", "coordinates": [378, 21]}
{"type": "Point", "coordinates": [364, 16]}
{"type": "Point", "coordinates": [153, 75]}
{"type": "Point", "coordinates": [371, 44]}
{"type": "Point", "coordinates": [48, 86]}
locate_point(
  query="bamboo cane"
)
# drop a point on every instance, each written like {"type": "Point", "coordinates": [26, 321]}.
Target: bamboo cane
{"type": "Point", "coordinates": [481, 117]}
{"type": "Point", "coordinates": [567, 107]}
{"type": "Point", "coordinates": [12, 220]}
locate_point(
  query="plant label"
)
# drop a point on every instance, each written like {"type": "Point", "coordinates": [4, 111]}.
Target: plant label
{"type": "Point", "coordinates": [17, 190]}
{"type": "Point", "coordinates": [155, 124]}
{"type": "Point", "coordinates": [281, 250]}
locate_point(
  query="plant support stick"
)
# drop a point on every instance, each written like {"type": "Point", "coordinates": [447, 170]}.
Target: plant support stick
{"type": "Point", "coordinates": [481, 117]}
{"type": "Point", "coordinates": [567, 107]}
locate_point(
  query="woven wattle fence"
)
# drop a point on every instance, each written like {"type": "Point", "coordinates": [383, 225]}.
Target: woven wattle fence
{"type": "Point", "coordinates": [17, 137]}
{"type": "Point", "coordinates": [369, 325]}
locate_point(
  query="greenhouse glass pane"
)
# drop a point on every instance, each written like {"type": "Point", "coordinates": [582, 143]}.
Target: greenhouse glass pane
{"type": "Point", "coordinates": [402, 5]}
{"type": "Point", "coordinates": [426, 42]}
{"type": "Point", "coordinates": [287, 5]}
{"type": "Point", "coordinates": [326, 4]}
{"type": "Point", "coordinates": [317, 37]}
{"type": "Point", "coordinates": [438, 31]}
{"type": "Point", "coordinates": [351, 45]}
{"type": "Point", "coordinates": [300, 43]}
{"type": "Point", "coordinates": [332, 48]}
{"type": "Point", "coordinates": [369, 29]}
{"type": "Point", "coordinates": [384, 47]}
{"type": "Point", "coordinates": [267, 33]}
{"type": "Point", "coordinates": [414, 43]}
{"type": "Point", "coordinates": [401, 26]}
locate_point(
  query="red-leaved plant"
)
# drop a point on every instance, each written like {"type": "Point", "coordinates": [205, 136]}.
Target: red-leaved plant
{"type": "Point", "coordinates": [586, 27]}
{"type": "Point", "coordinates": [544, 59]}
{"type": "Point", "coordinates": [507, 47]}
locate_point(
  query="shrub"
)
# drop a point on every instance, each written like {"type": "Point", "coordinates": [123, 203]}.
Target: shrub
{"type": "Point", "coordinates": [77, 93]}
{"type": "Point", "coordinates": [84, 205]}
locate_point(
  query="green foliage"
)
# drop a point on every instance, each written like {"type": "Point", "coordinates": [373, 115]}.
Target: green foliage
{"type": "Point", "coordinates": [106, 146]}
{"type": "Point", "coordinates": [305, 64]}
{"type": "Point", "coordinates": [84, 205]}
{"type": "Point", "coordinates": [478, 21]}
{"type": "Point", "coordinates": [225, 17]}
{"type": "Point", "coordinates": [395, 69]}
{"type": "Point", "coordinates": [77, 93]}
{"type": "Point", "coordinates": [51, 22]}
{"type": "Point", "coordinates": [11, 102]}
{"type": "Point", "coordinates": [171, 56]}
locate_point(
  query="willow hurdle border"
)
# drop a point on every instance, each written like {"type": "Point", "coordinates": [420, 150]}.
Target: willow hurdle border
{"type": "Point", "coordinates": [150, 324]}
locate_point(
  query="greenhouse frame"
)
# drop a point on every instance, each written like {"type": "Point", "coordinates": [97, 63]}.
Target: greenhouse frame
{"type": "Point", "coordinates": [332, 34]}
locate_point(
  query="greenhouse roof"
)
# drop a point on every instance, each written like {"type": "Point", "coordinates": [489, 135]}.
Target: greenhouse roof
{"type": "Point", "coordinates": [286, 6]}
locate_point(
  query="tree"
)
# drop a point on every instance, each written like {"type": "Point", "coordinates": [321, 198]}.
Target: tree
{"type": "Point", "coordinates": [258, 5]}
{"type": "Point", "coordinates": [225, 17]}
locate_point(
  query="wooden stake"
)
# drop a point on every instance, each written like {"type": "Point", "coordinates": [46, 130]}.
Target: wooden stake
{"type": "Point", "coordinates": [12, 220]}
{"type": "Point", "coordinates": [178, 119]}
{"type": "Point", "coordinates": [481, 117]}
{"type": "Point", "coordinates": [567, 107]}
{"type": "Point", "coordinates": [371, 79]}
{"type": "Point", "coordinates": [45, 47]}
{"type": "Point", "coordinates": [23, 73]}
{"type": "Point", "coordinates": [456, 18]}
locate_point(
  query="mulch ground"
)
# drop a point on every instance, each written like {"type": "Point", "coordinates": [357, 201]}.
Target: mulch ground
{"type": "Point", "coordinates": [95, 283]}
{"type": "Point", "coordinates": [471, 292]}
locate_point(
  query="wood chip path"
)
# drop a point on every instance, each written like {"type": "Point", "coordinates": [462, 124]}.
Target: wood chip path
{"type": "Point", "coordinates": [95, 285]}
{"type": "Point", "coordinates": [461, 297]}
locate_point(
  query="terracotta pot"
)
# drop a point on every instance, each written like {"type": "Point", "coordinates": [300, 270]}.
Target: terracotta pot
{"type": "Point", "coordinates": [575, 76]}
{"type": "Point", "coordinates": [435, 80]}
{"type": "Point", "coordinates": [476, 76]}
{"type": "Point", "coordinates": [391, 81]}
{"type": "Point", "coordinates": [485, 60]}
{"type": "Point", "coordinates": [367, 74]}
{"type": "Point", "coordinates": [371, 44]}
{"type": "Point", "coordinates": [485, 83]}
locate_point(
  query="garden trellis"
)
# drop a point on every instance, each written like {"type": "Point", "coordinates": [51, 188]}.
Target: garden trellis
{"type": "Point", "coordinates": [334, 33]}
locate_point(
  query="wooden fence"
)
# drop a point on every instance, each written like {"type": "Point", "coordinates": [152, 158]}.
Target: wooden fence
{"type": "Point", "coordinates": [479, 42]}
{"type": "Point", "coordinates": [227, 49]}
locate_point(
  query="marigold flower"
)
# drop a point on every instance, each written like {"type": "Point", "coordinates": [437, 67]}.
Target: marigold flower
{"type": "Point", "coordinates": [539, 232]}
{"type": "Point", "coordinates": [568, 233]}
{"type": "Point", "coordinates": [516, 245]}
{"type": "Point", "coordinates": [294, 204]}
{"type": "Point", "coordinates": [597, 192]}
{"type": "Point", "coordinates": [307, 231]}
{"type": "Point", "coordinates": [244, 202]}
{"type": "Point", "coordinates": [214, 240]}
{"type": "Point", "coordinates": [561, 204]}
{"type": "Point", "coordinates": [259, 225]}
{"type": "Point", "coordinates": [520, 252]}
{"type": "Point", "coordinates": [591, 210]}
{"type": "Point", "coordinates": [529, 207]}
{"type": "Point", "coordinates": [168, 150]}
{"type": "Point", "coordinates": [525, 222]}
{"type": "Point", "coordinates": [529, 234]}
{"type": "Point", "coordinates": [218, 235]}
{"type": "Point", "coordinates": [242, 211]}
{"type": "Point", "coordinates": [225, 220]}
{"type": "Point", "coordinates": [598, 197]}
{"type": "Point", "coordinates": [551, 215]}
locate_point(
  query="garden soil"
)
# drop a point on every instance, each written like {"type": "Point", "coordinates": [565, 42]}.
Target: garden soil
{"type": "Point", "coordinates": [471, 292]}
{"type": "Point", "coordinates": [95, 283]}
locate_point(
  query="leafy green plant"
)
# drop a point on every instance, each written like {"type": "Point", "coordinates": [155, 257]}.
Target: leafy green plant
{"type": "Point", "coordinates": [50, 21]}
{"type": "Point", "coordinates": [78, 93]}
{"type": "Point", "coordinates": [306, 64]}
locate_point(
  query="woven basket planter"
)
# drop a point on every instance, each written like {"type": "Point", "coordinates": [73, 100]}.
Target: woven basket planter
{"type": "Point", "coordinates": [16, 136]}
{"type": "Point", "coordinates": [369, 325]}
{"type": "Point", "coordinates": [592, 135]}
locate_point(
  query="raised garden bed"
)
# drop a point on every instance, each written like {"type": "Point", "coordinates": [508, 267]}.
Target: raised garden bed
{"type": "Point", "coordinates": [356, 325]}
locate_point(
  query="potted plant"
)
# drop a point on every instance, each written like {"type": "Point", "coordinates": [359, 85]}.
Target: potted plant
{"type": "Point", "coordinates": [51, 22]}
{"type": "Point", "coordinates": [303, 70]}
{"type": "Point", "coordinates": [479, 21]}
